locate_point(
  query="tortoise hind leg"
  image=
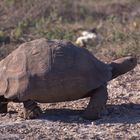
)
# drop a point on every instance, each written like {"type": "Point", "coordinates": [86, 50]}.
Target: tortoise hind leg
{"type": "Point", "coordinates": [31, 109]}
{"type": "Point", "coordinates": [97, 103]}
{"type": "Point", "coordinates": [3, 104]}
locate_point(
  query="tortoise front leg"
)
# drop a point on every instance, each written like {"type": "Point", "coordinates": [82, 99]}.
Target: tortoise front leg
{"type": "Point", "coordinates": [3, 104]}
{"type": "Point", "coordinates": [97, 103]}
{"type": "Point", "coordinates": [31, 109]}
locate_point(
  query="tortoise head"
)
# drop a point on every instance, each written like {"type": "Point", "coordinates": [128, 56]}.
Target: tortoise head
{"type": "Point", "coordinates": [123, 65]}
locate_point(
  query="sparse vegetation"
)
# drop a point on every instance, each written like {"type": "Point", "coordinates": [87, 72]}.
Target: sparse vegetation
{"type": "Point", "coordinates": [117, 22]}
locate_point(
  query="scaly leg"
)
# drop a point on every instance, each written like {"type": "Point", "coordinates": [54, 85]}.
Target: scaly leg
{"type": "Point", "coordinates": [31, 109]}
{"type": "Point", "coordinates": [97, 103]}
{"type": "Point", "coordinates": [3, 104]}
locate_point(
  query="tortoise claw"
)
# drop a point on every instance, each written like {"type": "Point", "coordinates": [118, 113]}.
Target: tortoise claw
{"type": "Point", "coordinates": [32, 114]}
{"type": "Point", "coordinates": [31, 110]}
{"type": "Point", "coordinates": [91, 115]}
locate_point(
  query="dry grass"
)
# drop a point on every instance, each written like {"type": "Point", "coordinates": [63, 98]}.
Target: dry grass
{"type": "Point", "coordinates": [118, 23]}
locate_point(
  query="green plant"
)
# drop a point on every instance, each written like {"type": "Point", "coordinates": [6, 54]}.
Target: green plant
{"type": "Point", "coordinates": [18, 32]}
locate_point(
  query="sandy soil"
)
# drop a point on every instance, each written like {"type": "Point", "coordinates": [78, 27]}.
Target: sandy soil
{"type": "Point", "coordinates": [121, 120]}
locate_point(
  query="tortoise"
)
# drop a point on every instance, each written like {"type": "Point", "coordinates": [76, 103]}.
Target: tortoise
{"type": "Point", "coordinates": [48, 71]}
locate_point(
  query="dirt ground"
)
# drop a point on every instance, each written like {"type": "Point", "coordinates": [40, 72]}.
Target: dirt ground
{"type": "Point", "coordinates": [121, 120]}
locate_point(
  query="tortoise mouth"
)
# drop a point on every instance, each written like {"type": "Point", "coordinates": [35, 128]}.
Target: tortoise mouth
{"type": "Point", "coordinates": [133, 60]}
